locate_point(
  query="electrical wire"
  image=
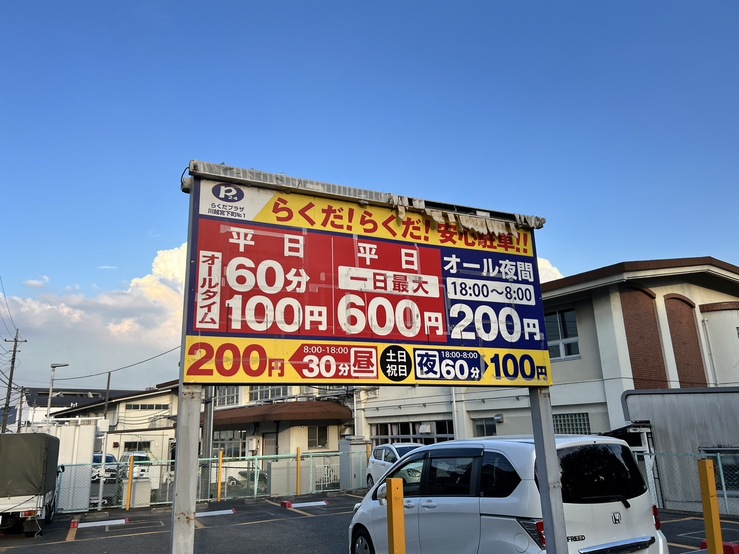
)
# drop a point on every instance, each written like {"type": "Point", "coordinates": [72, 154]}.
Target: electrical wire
{"type": "Point", "coordinates": [7, 307]}
{"type": "Point", "coordinates": [119, 368]}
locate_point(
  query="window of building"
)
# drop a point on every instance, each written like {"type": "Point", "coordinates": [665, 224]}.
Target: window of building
{"type": "Point", "coordinates": [572, 424]}
{"type": "Point", "coordinates": [485, 427]}
{"type": "Point", "coordinates": [317, 436]}
{"type": "Point", "coordinates": [267, 393]}
{"type": "Point", "coordinates": [232, 442]}
{"type": "Point", "coordinates": [147, 406]}
{"type": "Point", "coordinates": [226, 396]}
{"type": "Point", "coordinates": [424, 432]}
{"type": "Point", "coordinates": [137, 446]}
{"type": "Point", "coordinates": [562, 334]}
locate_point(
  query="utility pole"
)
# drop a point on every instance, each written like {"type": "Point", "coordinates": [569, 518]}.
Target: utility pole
{"type": "Point", "coordinates": [6, 409]}
{"type": "Point", "coordinates": [19, 410]}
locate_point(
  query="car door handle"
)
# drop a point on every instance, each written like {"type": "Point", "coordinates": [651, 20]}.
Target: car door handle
{"type": "Point", "coordinates": [429, 504]}
{"type": "Point", "coordinates": [407, 504]}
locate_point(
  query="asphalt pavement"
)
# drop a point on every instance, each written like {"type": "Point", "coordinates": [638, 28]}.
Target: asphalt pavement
{"type": "Point", "coordinates": [312, 524]}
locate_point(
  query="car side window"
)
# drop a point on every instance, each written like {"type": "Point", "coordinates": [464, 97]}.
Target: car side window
{"type": "Point", "coordinates": [499, 477]}
{"type": "Point", "coordinates": [410, 472]}
{"type": "Point", "coordinates": [450, 476]}
{"type": "Point", "coordinates": [377, 454]}
{"type": "Point", "coordinates": [390, 456]}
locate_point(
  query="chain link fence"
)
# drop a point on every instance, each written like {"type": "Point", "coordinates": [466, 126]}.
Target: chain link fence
{"type": "Point", "coordinates": [672, 477]}
{"type": "Point", "coordinates": [85, 487]}
{"type": "Point", "coordinates": [674, 482]}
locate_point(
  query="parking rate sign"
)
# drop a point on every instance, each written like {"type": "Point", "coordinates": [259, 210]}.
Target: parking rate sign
{"type": "Point", "coordinates": [293, 288]}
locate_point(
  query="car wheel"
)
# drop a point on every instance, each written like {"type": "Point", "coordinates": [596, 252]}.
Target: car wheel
{"type": "Point", "coordinates": [370, 481]}
{"type": "Point", "coordinates": [362, 543]}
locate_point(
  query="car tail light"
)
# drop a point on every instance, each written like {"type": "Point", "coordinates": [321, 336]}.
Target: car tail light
{"type": "Point", "coordinates": [29, 513]}
{"type": "Point", "coordinates": [535, 529]}
{"type": "Point", "coordinates": [655, 515]}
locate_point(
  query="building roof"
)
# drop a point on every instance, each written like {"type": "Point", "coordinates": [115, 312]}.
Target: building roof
{"type": "Point", "coordinates": [115, 397]}
{"type": "Point", "coordinates": [66, 397]}
{"type": "Point", "coordinates": [319, 410]}
{"type": "Point", "coordinates": [704, 270]}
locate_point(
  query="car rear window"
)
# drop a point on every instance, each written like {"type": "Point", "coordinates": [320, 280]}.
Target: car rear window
{"type": "Point", "coordinates": [403, 450]}
{"type": "Point", "coordinates": [595, 473]}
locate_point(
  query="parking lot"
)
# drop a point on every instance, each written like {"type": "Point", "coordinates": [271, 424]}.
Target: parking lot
{"type": "Point", "coordinates": [315, 524]}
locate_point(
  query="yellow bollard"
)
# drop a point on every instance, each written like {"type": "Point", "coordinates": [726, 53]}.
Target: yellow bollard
{"type": "Point", "coordinates": [298, 478]}
{"type": "Point", "coordinates": [711, 514]}
{"type": "Point", "coordinates": [220, 473]}
{"type": "Point", "coordinates": [395, 516]}
{"type": "Point", "coordinates": [130, 483]}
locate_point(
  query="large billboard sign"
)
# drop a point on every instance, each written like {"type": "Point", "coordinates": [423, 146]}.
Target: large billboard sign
{"type": "Point", "coordinates": [289, 286]}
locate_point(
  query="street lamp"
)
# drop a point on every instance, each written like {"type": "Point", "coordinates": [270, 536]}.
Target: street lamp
{"type": "Point", "coordinates": [51, 388]}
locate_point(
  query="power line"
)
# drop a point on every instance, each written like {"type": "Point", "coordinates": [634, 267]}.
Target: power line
{"type": "Point", "coordinates": [118, 369]}
{"type": "Point", "coordinates": [7, 307]}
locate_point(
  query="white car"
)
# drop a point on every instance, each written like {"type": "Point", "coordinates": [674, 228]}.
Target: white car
{"type": "Point", "coordinates": [482, 496]}
{"type": "Point", "coordinates": [384, 456]}
{"type": "Point", "coordinates": [141, 464]}
{"type": "Point", "coordinates": [109, 469]}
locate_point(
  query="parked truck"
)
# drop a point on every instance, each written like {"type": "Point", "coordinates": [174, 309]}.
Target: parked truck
{"type": "Point", "coordinates": [28, 481]}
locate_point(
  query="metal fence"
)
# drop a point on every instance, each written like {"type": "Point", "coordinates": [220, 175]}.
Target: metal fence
{"type": "Point", "coordinates": [674, 482]}
{"type": "Point", "coordinates": [672, 477]}
{"type": "Point", "coordinates": [86, 487]}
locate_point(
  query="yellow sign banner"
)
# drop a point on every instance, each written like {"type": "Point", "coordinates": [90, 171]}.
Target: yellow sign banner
{"type": "Point", "coordinates": [237, 361]}
{"type": "Point", "coordinates": [336, 216]}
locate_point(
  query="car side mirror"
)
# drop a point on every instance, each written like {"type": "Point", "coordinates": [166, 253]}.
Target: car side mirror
{"type": "Point", "coordinates": [382, 492]}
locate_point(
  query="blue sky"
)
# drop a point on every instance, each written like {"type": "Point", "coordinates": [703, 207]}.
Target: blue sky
{"type": "Point", "coordinates": [617, 121]}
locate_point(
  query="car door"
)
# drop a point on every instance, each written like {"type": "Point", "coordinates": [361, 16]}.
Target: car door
{"type": "Point", "coordinates": [411, 473]}
{"type": "Point", "coordinates": [449, 507]}
{"type": "Point", "coordinates": [377, 466]}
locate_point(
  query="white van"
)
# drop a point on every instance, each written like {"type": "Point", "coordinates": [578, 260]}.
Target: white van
{"type": "Point", "coordinates": [482, 495]}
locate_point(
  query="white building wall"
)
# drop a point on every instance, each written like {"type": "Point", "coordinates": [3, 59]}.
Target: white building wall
{"type": "Point", "coordinates": [614, 353]}
{"type": "Point", "coordinates": [721, 331]}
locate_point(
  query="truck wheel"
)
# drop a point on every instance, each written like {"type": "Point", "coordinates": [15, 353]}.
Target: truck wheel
{"type": "Point", "coordinates": [50, 512]}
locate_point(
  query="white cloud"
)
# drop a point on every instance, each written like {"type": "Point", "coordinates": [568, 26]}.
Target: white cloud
{"type": "Point", "coordinates": [37, 283]}
{"type": "Point", "coordinates": [547, 272]}
{"type": "Point", "coordinates": [112, 329]}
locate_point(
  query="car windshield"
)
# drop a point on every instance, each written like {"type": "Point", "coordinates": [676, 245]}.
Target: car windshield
{"type": "Point", "coordinates": [403, 450]}
{"type": "Point", "coordinates": [97, 458]}
{"type": "Point", "coordinates": [595, 473]}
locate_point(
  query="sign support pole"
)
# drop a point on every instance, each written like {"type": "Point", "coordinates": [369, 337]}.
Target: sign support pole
{"type": "Point", "coordinates": [182, 539]}
{"type": "Point", "coordinates": [547, 467]}
{"type": "Point", "coordinates": [186, 470]}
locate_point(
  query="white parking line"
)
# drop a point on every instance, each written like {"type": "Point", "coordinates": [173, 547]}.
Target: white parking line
{"type": "Point", "coordinates": [289, 504]}
{"type": "Point", "coordinates": [216, 513]}
{"type": "Point", "coordinates": [103, 523]}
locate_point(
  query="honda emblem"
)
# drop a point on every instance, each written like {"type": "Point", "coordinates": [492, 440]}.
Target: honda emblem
{"type": "Point", "coordinates": [616, 518]}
